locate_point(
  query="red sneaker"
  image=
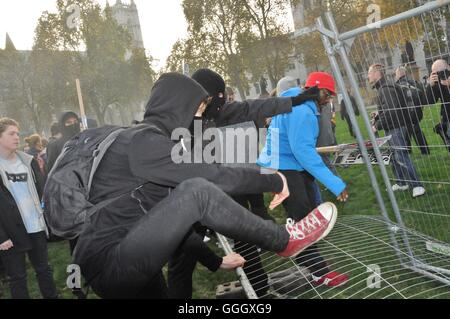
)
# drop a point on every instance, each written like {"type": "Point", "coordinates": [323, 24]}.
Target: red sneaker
{"type": "Point", "coordinates": [332, 279]}
{"type": "Point", "coordinates": [314, 227]}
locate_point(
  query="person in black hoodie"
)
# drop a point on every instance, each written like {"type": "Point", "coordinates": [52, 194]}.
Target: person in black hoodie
{"type": "Point", "coordinates": [221, 112]}
{"type": "Point", "coordinates": [69, 123]}
{"type": "Point", "coordinates": [122, 251]}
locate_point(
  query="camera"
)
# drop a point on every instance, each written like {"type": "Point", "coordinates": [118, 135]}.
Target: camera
{"type": "Point", "coordinates": [444, 75]}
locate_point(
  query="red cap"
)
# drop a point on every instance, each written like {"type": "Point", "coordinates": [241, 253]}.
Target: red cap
{"type": "Point", "coordinates": [322, 80]}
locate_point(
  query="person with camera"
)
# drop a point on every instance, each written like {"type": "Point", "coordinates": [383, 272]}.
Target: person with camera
{"type": "Point", "coordinates": [438, 88]}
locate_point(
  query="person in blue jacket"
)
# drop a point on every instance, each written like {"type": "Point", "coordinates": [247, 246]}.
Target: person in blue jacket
{"type": "Point", "coordinates": [291, 149]}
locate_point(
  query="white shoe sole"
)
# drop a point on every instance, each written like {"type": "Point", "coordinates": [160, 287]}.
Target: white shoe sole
{"type": "Point", "coordinates": [330, 212]}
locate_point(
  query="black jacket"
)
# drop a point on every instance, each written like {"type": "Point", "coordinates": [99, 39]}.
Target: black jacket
{"type": "Point", "coordinates": [391, 106]}
{"type": "Point", "coordinates": [440, 92]}
{"type": "Point", "coordinates": [252, 110]}
{"type": "Point", "coordinates": [142, 155]}
{"type": "Point", "coordinates": [11, 223]}
{"type": "Point", "coordinates": [344, 112]}
{"type": "Point", "coordinates": [418, 99]}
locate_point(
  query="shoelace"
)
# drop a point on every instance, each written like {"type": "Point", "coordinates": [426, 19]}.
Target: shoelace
{"type": "Point", "coordinates": [307, 225]}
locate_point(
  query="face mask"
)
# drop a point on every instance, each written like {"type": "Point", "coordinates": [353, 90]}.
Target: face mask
{"type": "Point", "coordinates": [213, 109]}
{"type": "Point", "coordinates": [72, 130]}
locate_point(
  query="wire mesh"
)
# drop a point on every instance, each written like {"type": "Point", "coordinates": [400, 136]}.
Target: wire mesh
{"type": "Point", "coordinates": [383, 259]}
{"type": "Point", "coordinates": [422, 143]}
{"type": "Point", "coordinates": [360, 246]}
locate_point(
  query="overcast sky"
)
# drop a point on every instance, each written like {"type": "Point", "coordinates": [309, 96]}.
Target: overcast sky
{"type": "Point", "coordinates": [162, 23]}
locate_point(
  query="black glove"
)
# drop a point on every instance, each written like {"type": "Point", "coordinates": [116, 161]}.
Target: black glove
{"type": "Point", "coordinates": [307, 95]}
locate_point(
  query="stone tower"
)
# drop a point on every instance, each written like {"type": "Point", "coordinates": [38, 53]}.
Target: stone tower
{"type": "Point", "coordinates": [127, 16]}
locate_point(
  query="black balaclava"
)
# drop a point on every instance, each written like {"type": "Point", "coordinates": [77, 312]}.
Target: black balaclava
{"type": "Point", "coordinates": [214, 84]}
{"type": "Point", "coordinates": [72, 130]}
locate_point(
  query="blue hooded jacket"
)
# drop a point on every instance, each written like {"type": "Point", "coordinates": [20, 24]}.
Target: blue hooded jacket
{"type": "Point", "coordinates": [291, 144]}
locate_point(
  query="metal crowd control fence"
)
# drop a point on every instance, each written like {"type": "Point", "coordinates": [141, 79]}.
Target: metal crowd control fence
{"type": "Point", "coordinates": [405, 252]}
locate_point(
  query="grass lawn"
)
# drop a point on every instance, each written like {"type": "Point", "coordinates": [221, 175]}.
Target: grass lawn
{"type": "Point", "coordinates": [428, 215]}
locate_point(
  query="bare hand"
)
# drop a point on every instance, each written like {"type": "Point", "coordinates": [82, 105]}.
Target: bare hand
{"type": "Point", "coordinates": [434, 78]}
{"type": "Point", "coordinates": [7, 245]}
{"type": "Point", "coordinates": [280, 197]}
{"type": "Point", "coordinates": [343, 197]}
{"type": "Point", "coordinates": [445, 82]}
{"type": "Point", "coordinates": [232, 261]}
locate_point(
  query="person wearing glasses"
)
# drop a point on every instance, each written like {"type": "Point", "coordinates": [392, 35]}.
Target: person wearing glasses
{"type": "Point", "coordinates": [297, 159]}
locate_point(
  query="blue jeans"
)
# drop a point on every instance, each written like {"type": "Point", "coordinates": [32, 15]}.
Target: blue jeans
{"type": "Point", "coordinates": [402, 166]}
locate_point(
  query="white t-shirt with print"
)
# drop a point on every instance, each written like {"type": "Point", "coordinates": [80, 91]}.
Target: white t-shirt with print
{"type": "Point", "coordinates": [17, 178]}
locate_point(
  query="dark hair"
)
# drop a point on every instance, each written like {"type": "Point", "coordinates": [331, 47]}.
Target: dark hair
{"type": "Point", "coordinates": [55, 129]}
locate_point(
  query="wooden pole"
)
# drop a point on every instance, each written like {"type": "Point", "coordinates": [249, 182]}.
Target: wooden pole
{"type": "Point", "coordinates": [82, 111]}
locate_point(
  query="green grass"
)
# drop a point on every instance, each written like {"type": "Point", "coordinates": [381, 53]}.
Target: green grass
{"type": "Point", "coordinates": [362, 201]}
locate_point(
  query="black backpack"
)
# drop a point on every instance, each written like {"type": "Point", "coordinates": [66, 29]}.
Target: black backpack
{"type": "Point", "coordinates": [66, 193]}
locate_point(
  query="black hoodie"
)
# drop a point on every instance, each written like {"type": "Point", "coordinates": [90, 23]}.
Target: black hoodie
{"type": "Point", "coordinates": [55, 147]}
{"type": "Point", "coordinates": [142, 155]}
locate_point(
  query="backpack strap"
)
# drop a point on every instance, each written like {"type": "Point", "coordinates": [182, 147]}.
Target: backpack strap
{"type": "Point", "coordinates": [101, 151]}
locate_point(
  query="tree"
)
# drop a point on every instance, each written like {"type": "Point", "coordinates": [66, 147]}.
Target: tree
{"type": "Point", "coordinates": [269, 48]}
{"type": "Point", "coordinates": [112, 73]}
{"type": "Point", "coordinates": [214, 29]}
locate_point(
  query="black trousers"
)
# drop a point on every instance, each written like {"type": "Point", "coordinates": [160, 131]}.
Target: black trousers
{"type": "Point", "coordinates": [2, 269]}
{"type": "Point", "coordinates": [253, 267]}
{"type": "Point", "coordinates": [415, 131]}
{"type": "Point", "coordinates": [298, 205]}
{"type": "Point", "coordinates": [130, 267]}
{"type": "Point", "coordinates": [16, 272]}
{"type": "Point", "coordinates": [182, 265]}
{"type": "Point", "coordinates": [349, 124]}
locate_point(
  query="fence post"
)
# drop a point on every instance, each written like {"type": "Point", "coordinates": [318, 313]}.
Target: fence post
{"type": "Point", "coordinates": [248, 288]}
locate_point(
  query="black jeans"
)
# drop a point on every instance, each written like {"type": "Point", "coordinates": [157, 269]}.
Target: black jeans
{"type": "Point", "coordinates": [131, 266]}
{"type": "Point", "coordinates": [298, 205]}
{"type": "Point", "coordinates": [253, 267]}
{"type": "Point", "coordinates": [350, 126]}
{"type": "Point", "coordinates": [16, 272]}
{"type": "Point", "coordinates": [415, 131]}
{"type": "Point", "coordinates": [182, 265]}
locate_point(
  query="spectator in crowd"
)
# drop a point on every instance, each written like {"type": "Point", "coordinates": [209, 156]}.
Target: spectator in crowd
{"type": "Point", "coordinates": [438, 88]}
{"type": "Point", "coordinates": [22, 226]}
{"type": "Point", "coordinates": [415, 98]}
{"type": "Point", "coordinates": [231, 97]}
{"type": "Point", "coordinates": [346, 117]}
{"type": "Point", "coordinates": [55, 132]}
{"type": "Point", "coordinates": [392, 114]}
{"type": "Point", "coordinates": [36, 150]}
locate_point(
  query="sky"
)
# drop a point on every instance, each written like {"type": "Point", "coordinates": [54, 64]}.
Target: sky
{"type": "Point", "coordinates": [162, 23]}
